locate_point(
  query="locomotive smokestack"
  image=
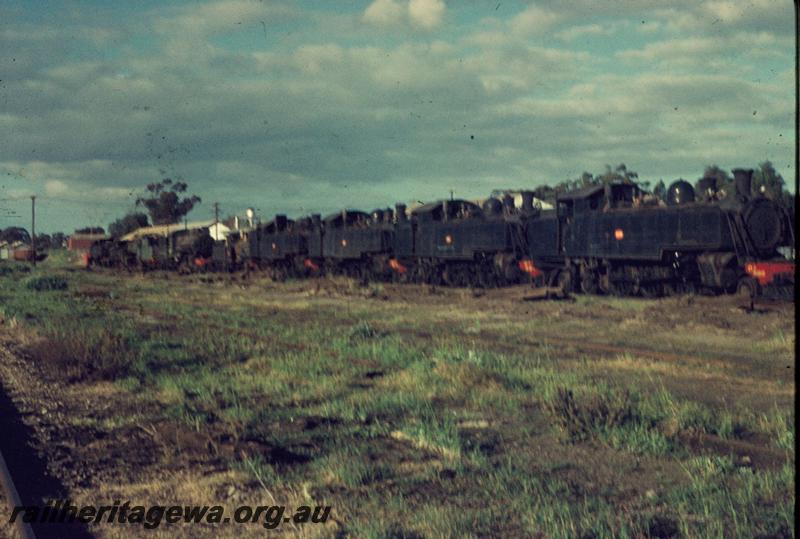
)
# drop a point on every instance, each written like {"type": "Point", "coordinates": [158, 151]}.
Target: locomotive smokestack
{"type": "Point", "coordinates": [316, 219]}
{"type": "Point", "coordinates": [445, 207]}
{"type": "Point", "coordinates": [400, 212]}
{"type": "Point", "coordinates": [508, 203]}
{"type": "Point", "coordinates": [743, 179]}
{"type": "Point", "coordinates": [388, 215]}
{"type": "Point", "coordinates": [527, 201]}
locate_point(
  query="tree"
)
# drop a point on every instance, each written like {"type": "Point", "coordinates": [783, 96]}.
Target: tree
{"type": "Point", "coordinates": [545, 192]}
{"type": "Point", "coordinates": [774, 186]}
{"type": "Point", "coordinates": [15, 233]}
{"type": "Point", "coordinates": [585, 180]}
{"type": "Point", "coordinates": [773, 183]}
{"type": "Point", "coordinates": [620, 173]}
{"type": "Point", "coordinates": [58, 240]}
{"type": "Point", "coordinates": [723, 180]}
{"type": "Point", "coordinates": [126, 224]}
{"type": "Point", "coordinates": [660, 190]}
{"type": "Point", "coordinates": [164, 202]}
{"type": "Point", "coordinates": [43, 241]}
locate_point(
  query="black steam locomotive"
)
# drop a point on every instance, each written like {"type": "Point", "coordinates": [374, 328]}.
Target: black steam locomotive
{"type": "Point", "coordinates": [181, 250]}
{"type": "Point", "coordinates": [610, 238]}
{"type": "Point", "coordinates": [607, 238]}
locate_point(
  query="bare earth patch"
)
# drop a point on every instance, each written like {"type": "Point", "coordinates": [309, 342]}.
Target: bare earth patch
{"type": "Point", "coordinates": [412, 411]}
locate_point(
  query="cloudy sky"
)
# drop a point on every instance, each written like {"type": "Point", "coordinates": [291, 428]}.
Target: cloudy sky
{"type": "Point", "coordinates": [314, 105]}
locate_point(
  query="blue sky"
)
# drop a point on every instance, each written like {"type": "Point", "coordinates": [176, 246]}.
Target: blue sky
{"type": "Point", "coordinates": [311, 106]}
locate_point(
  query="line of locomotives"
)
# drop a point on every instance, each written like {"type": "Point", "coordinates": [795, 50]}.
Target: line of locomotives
{"type": "Point", "coordinates": [610, 238]}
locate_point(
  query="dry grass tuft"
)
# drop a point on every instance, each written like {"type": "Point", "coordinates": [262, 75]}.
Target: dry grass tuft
{"type": "Point", "coordinates": [598, 412]}
{"type": "Point", "coordinates": [83, 354]}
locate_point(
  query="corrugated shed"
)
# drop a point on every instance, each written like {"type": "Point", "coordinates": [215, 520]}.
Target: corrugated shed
{"type": "Point", "coordinates": [217, 230]}
{"type": "Point", "coordinates": [83, 242]}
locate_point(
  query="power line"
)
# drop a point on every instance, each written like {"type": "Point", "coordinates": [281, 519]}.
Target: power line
{"type": "Point", "coordinates": [33, 228]}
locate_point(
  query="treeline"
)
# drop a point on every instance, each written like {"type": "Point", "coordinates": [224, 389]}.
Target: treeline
{"type": "Point", "coordinates": [165, 202]}
{"type": "Point", "coordinates": [14, 234]}
{"type": "Point", "coordinates": [766, 180]}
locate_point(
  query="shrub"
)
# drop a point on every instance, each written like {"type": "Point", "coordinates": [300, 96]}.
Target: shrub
{"type": "Point", "coordinates": [46, 283]}
{"type": "Point", "coordinates": [12, 268]}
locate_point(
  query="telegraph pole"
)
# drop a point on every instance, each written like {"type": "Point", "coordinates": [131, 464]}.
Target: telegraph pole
{"type": "Point", "coordinates": [33, 227]}
{"type": "Point", "coordinates": [216, 221]}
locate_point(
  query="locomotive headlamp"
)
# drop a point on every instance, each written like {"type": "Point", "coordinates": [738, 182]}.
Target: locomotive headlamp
{"type": "Point", "coordinates": [619, 234]}
{"type": "Point", "coordinates": [274, 247]}
{"type": "Point", "coordinates": [448, 239]}
{"type": "Point", "coordinates": [344, 243]}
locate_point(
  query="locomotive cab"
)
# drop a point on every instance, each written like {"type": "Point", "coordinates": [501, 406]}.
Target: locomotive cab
{"type": "Point", "coordinates": [605, 197]}
{"type": "Point", "coordinates": [355, 235]}
{"type": "Point", "coordinates": [447, 210]}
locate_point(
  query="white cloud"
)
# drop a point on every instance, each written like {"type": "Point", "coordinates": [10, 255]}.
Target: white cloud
{"type": "Point", "coordinates": [588, 30]}
{"type": "Point", "coordinates": [55, 188]}
{"type": "Point", "coordinates": [703, 54]}
{"type": "Point", "coordinates": [338, 113]}
{"type": "Point", "coordinates": [426, 14]}
{"type": "Point", "coordinates": [534, 20]}
{"type": "Point", "coordinates": [220, 16]}
{"type": "Point", "coordinates": [316, 58]}
{"type": "Point", "coordinates": [384, 12]}
{"type": "Point", "coordinates": [419, 14]}
{"type": "Point", "coordinates": [729, 17]}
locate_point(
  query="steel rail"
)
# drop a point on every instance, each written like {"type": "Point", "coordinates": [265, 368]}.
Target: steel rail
{"type": "Point", "coordinates": [12, 496]}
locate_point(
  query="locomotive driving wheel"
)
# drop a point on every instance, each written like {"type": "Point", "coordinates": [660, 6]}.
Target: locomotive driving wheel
{"type": "Point", "coordinates": [564, 282]}
{"type": "Point", "coordinates": [746, 291]}
{"type": "Point", "coordinates": [589, 283]}
{"type": "Point", "coordinates": [487, 278]}
{"type": "Point", "coordinates": [277, 273]}
{"type": "Point", "coordinates": [747, 288]}
{"type": "Point", "coordinates": [588, 277]}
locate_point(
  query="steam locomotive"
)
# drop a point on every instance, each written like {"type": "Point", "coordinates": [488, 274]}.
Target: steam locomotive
{"type": "Point", "coordinates": [180, 250]}
{"type": "Point", "coordinates": [610, 238]}
{"type": "Point", "coordinates": [606, 239]}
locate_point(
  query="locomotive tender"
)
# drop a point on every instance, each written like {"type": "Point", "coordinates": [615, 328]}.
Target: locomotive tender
{"type": "Point", "coordinates": [611, 238]}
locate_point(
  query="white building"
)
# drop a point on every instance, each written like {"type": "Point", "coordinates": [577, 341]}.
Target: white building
{"type": "Point", "coordinates": [217, 230]}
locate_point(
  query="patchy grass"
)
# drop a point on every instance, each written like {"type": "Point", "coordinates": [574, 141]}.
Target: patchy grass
{"type": "Point", "coordinates": [724, 500]}
{"type": "Point", "coordinates": [46, 283]}
{"type": "Point", "coordinates": [84, 352]}
{"type": "Point", "coordinates": [419, 414]}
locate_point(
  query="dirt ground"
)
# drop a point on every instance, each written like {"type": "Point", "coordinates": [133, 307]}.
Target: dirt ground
{"type": "Point", "coordinates": [101, 441]}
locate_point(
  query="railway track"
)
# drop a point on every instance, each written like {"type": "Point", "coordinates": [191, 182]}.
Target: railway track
{"type": "Point", "coordinates": [12, 499]}
{"type": "Point", "coordinates": [24, 477]}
